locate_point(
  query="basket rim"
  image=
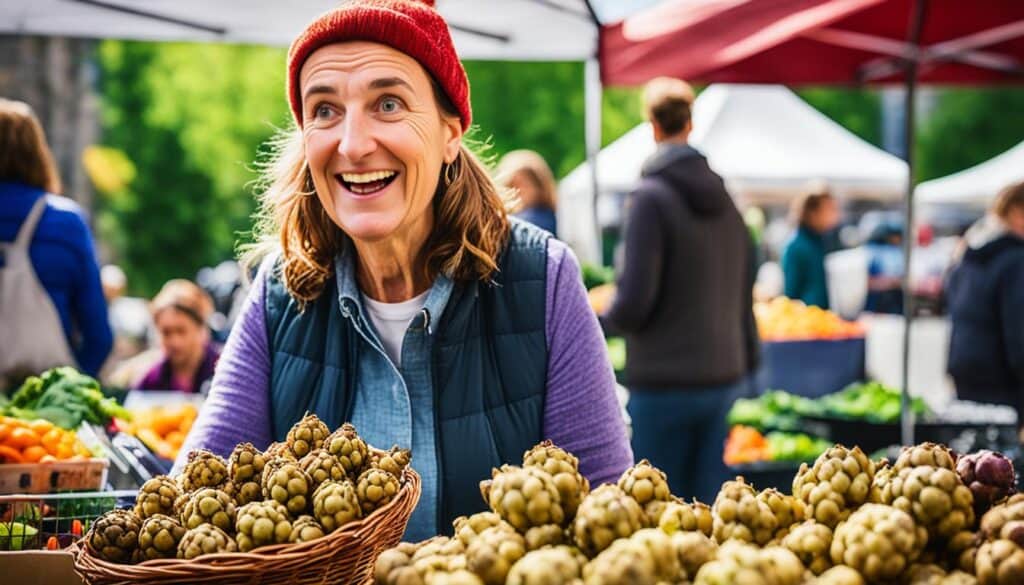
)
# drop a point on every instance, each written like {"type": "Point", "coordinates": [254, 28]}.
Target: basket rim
{"type": "Point", "coordinates": [409, 495]}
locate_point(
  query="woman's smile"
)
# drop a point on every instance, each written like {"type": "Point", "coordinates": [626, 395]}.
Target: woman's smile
{"type": "Point", "coordinates": [366, 185]}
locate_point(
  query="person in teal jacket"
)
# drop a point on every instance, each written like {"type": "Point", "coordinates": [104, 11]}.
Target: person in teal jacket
{"type": "Point", "coordinates": [803, 261]}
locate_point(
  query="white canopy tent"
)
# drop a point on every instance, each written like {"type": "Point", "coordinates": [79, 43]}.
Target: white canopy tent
{"type": "Point", "coordinates": [977, 186]}
{"type": "Point", "coordinates": [763, 139]}
{"type": "Point", "coordinates": [482, 29]}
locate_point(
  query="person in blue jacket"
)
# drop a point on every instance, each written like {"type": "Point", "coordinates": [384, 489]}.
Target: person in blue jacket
{"type": "Point", "coordinates": [526, 172]}
{"type": "Point", "coordinates": [985, 293]}
{"type": "Point", "coordinates": [816, 213]}
{"type": "Point", "coordinates": [60, 248]}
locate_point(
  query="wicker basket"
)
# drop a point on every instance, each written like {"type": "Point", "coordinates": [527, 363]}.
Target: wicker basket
{"type": "Point", "coordinates": [345, 556]}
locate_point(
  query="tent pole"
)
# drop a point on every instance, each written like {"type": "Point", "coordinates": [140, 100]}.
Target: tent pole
{"type": "Point", "coordinates": [592, 139]}
{"type": "Point", "coordinates": [909, 129]}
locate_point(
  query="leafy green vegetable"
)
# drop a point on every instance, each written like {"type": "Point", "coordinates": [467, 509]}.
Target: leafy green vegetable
{"type": "Point", "coordinates": [594, 275]}
{"type": "Point", "coordinates": [871, 401]}
{"type": "Point", "coordinates": [65, 397]}
{"type": "Point", "coordinates": [795, 446]}
{"type": "Point", "coordinates": [774, 409]}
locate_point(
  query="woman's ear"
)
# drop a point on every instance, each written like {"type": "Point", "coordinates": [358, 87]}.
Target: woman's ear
{"type": "Point", "coordinates": [452, 137]}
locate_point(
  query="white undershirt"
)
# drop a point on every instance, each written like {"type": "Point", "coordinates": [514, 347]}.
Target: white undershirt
{"type": "Point", "coordinates": [392, 320]}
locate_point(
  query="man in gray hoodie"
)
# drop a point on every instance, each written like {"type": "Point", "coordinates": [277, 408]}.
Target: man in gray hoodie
{"type": "Point", "coordinates": [683, 302]}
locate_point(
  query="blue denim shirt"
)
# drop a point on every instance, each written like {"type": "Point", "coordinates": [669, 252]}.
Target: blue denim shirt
{"type": "Point", "coordinates": [395, 405]}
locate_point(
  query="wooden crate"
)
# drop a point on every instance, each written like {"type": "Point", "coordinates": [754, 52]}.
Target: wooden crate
{"type": "Point", "coordinates": [54, 476]}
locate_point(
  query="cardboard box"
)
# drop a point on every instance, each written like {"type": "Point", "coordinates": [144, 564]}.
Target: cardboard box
{"type": "Point", "coordinates": [52, 477]}
{"type": "Point", "coordinates": [39, 567]}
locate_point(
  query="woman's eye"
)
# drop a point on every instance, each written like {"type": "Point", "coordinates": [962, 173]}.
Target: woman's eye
{"type": "Point", "coordinates": [323, 112]}
{"type": "Point", "coordinates": [390, 105]}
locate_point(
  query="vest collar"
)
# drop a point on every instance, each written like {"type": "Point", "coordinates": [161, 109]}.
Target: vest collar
{"type": "Point", "coordinates": [350, 297]}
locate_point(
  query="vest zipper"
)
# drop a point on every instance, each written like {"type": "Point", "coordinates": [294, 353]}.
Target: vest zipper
{"type": "Point", "coordinates": [442, 512]}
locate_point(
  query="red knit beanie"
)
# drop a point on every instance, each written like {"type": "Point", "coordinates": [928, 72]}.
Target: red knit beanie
{"type": "Point", "coordinates": [413, 27]}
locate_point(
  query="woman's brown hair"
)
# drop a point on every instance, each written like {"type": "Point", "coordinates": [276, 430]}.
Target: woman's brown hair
{"type": "Point", "coordinates": [24, 155]}
{"type": "Point", "coordinates": [808, 203]}
{"type": "Point", "coordinates": [183, 296]}
{"type": "Point", "coordinates": [471, 222]}
{"type": "Point", "coordinates": [1010, 198]}
{"type": "Point", "coordinates": [536, 170]}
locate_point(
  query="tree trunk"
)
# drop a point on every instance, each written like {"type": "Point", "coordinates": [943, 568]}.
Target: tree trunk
{"type": "Point", "coordinates": [57, 77]}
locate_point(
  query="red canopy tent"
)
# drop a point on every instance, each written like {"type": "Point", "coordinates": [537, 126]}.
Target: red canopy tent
{"type": "Point", "coordinates": [803, 42]}
{"type": "Point", "coordinates": [817, 41]}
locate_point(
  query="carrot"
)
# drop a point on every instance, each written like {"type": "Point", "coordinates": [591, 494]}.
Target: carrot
{"type": "Point", "coordinates": [52, 544]}
{"type": "Point", "coordinates": [76, 527]}
{"type": "Point", "coordinates": [10, 455]}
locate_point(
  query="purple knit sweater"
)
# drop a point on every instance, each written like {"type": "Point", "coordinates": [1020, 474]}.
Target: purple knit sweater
{"type": "Point", "coordinates": [581, 413]}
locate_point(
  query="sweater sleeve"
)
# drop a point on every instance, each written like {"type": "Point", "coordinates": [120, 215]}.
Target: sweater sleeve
{"type": "Point", "coordinates": [639, 280]}
{"type": "Point", "coordinates": [794, 270]}
{"type": "Point", "coordinates": [581, 412]}
{"type": "Point", "coordinates": [237, 409]}
{"type": "Point", "coordinates": [89, 307]}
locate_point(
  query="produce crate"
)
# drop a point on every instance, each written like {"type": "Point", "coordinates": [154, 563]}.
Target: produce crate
{"type": "Point", "coordinates": [66, 516]}
{"type": "Point", "coordinates": [54, 476]}
{"type": "Point", "coordinates": [872, 436]}
{"type": "Point", "coordinates": [811, 368]}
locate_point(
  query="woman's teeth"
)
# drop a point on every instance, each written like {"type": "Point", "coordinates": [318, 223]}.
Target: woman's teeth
{"type": "Point", "coordinates": [366, 183]}
{"type": "Point", "coordinates": [367, 177]}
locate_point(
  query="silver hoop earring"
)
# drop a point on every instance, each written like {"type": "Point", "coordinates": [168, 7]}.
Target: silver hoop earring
{"type": "Point", "coordinates": [449, 174]}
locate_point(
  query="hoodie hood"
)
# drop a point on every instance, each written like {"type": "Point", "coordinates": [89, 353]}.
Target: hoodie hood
{"type": "Point", "coordinates": [987, 238]}
{"type": "Point", "coordinates": [686, 170]}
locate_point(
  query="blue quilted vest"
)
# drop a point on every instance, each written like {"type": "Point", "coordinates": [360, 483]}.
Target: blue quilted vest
{"type": "Point", "coordinates": [489, 368]}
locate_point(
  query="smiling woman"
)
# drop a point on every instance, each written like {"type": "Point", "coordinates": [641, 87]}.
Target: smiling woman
{"type": "Point", "coordinates": [399, 295]}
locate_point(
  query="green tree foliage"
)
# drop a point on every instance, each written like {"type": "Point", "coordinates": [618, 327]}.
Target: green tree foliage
{"type": "Point", "coordinates": [540, 106]}
{"type": "Point", "coordinates": [969, 126]}
{"type": "Point", "coordinates": [190, 118]}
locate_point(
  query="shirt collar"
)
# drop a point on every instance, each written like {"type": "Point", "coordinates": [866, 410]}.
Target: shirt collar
{"type": "Point", "coordinates": [350, 298]}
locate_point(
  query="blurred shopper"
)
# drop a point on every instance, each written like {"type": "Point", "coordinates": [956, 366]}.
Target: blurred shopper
{"type": "Point", "coordinates": [181, 311]}
{"type": "Point", "coordinates": [815, 214]}
{"type": "Point", "coordinates": [683, 302]}
{"type": "Point", "coordinates": [525, 172]}
{"type": "Point", "coordinates": [132, 323]}
{"type": "Point", "coordinates": [885, 269]}
{"type": "Point", "coordinates": [52, 310]}
{"type": "Point", "coordinates": [985, 292]}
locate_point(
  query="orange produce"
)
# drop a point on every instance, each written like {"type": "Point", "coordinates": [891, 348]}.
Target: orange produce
{"type": "Point", "coordinates": [784, 319]}
{"type": "Point", "coordinates": [37, 441]}
{"type": "Point", "coordinates": [40, 426]}
{"type": "Point", "coordinates": [745, 445]}
{"type": "Point", "coordinates": [22, 437]}
{"type": "Point", "coordinates": [163, 429]}
{"type": "Point", "coordinates": [33, 454]}
{"type": "Point", "coordinates": [10, 455]}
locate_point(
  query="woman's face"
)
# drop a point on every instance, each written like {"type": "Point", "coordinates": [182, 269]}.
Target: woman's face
{"type": "Point", "coordinates": [827, 216]}
{"type": "Point", "coordinates": [1015, 221]}
{"type": "Point", "coordinates": [181, 338]}
{"type": "Point", "coordinates": [375, 138]}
